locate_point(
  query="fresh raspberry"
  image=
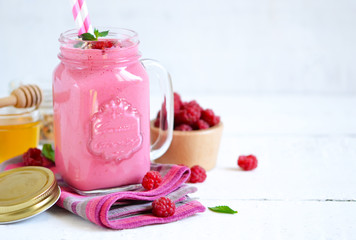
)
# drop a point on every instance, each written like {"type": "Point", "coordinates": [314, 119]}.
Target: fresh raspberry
{"type": "Point", "coordinates": [188, 114]}
{"type": "Point", "coordinates": [33, 157]}
{"type": "Point", "coordinates": [151, 180]}
{"type": "Point", "coordinates": [192, 104]}
{"type": "Point", "coordinates": [163, 207]}
{"type": "Point", "coordinates": [183, 127]}
{"type": "Point", "coordinates": [209, 116]}
{"type": "Point", "coordinates": [47, 163]}
{"type": "Point", "coordinates": [248, 162]}
{"type": "Point", "coordinates": [197, 174]}
{"type": "Point", "coordinates": [102, 44]}
{"type": "Point", "coordinates": [201, 124]}
{"type": "Point", "coordinates": [177, 102]}
{"type": "Point", "coordinates": [97, 45]}
{"type": "Point", "coordinates": [109, 44]}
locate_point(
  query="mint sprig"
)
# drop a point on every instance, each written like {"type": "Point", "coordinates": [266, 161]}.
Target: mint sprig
{"type": "Point", "coordinates": [222, 209]}
{"type": "Point", "coordinates": [100, 34]}
{"type": "Point", "coordinates": [91, 37]}
{"type": "Point", "coordinates": [48, 152]}
{"type": "Point", "coordinates": [88, 37]}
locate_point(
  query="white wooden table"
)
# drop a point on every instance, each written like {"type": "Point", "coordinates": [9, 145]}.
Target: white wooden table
{"type": "Point", "coordinates": [303, 188]}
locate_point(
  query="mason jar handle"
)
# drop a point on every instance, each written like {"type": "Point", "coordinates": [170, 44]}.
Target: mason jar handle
{"type": "Point", "coordinates": [165, 132]}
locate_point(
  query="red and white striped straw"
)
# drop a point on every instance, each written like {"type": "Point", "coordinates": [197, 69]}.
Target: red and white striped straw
{"type": "Point", "coordinates": [81, 16]}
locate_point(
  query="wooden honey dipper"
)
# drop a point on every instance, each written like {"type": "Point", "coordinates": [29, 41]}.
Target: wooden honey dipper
{"type": "Point", "coordinates": [23, 97]}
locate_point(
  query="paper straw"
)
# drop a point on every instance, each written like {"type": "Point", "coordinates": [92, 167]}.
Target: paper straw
{"type": "Point", "coordinates": [81, 16]}
{"type": "Point", "coordinates": [85, 16]}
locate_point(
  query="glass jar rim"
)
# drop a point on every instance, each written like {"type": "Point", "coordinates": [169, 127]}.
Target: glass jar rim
{"type": "Point", "coordinates": [71, 36]}
{"type": "Point", "coordinates": [20, 112]}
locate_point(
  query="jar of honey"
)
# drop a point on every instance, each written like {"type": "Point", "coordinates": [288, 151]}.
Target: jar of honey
{"type": "Point", "coordinates": [19, 131]}
{"type": "Point", "coordinates": [45, 109]}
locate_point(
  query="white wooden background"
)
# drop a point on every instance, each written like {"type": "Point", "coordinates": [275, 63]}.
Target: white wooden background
{"type": "Point", "coordinates": [209, 46]}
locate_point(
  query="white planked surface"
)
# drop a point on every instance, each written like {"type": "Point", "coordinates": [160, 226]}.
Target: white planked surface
{"type": "Point", "coordinates": [303, 188]}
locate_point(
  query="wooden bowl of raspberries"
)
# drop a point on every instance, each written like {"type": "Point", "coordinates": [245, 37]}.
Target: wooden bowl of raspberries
{"type": "Point", "coordinates": [196, 136]}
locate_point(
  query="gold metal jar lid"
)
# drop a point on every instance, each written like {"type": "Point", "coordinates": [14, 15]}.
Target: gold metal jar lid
{"type": "Point", "coordinates": [26, 192]}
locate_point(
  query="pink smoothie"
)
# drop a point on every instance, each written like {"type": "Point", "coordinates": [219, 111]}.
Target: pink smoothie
{"type": "Point", "coordinates": [101, 116]}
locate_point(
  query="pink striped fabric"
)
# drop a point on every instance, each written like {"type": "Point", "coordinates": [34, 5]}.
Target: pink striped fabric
{"type": "Point", "coordinates": [129, 209]}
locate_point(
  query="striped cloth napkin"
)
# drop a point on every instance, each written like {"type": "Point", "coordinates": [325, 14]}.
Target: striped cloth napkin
{"type": "Point", "coordinates": [128, 209]}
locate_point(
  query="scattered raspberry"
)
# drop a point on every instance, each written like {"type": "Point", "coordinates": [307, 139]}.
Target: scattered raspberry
{"type": "Point", "coordinates": [102, 44]}
{"type": "Point", "coordinates": [197, 174]}
{"type": "Point", "coordinates": [33, 157]}
{"type": "Point", "coordinates": [47, 163]}
{"type": "Point", "coordinates": [209, 116]}
{"type": "Point", "coordinates": [247, 163]}
{"type": "Point", "coordinates": [183, 127]}
{"type": "Point", "coordinates": [163, 207]}
{"type": "Point", "coordinates": [201, 124]}
{"type": "Point", "coordinates": [177, 102]}
{"type": "Point", "coordinates": [151, 180]}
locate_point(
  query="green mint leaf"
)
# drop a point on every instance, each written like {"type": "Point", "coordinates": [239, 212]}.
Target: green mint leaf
{"type": "Point", "coordinates": [222, 209]}
{"type": "Point", "coordinates": [103, 34]}
{"type": "Point", "coordinates": [91, 37]}
{"type": "Point", "coordinates": [87, 37]}
{"type": "Point", "coordinates": [96, 33]}
{"type": "Point", "coordinates": [48, 152]}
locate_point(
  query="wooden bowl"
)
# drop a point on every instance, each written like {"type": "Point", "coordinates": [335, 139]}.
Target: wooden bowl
{"type": "Point", "coordinates": [198, 147]}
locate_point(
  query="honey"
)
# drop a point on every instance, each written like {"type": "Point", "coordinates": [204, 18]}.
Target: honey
{"type": "Point", "coordinates": [19, 131]}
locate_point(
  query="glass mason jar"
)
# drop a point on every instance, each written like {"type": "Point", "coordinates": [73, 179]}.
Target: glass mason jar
{"type": "Point", "coordinates": [19, 131]}
{"type": "Point", "coordinates": [101, 111]}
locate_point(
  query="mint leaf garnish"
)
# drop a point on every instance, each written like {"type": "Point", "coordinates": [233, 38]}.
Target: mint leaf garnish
{"type": "Point", "coordinates": [103, 34]}
{"type": "Point", "coordinates": [96, 33]}
{"type": "Point", "coordinates": [88, 37]}
{"type": "Point", "coordinates": [222, 209]}
{"type": "Point", "coordinates": [48, 152]}
{"type": "Point", "coordinates": [100, 34]}
{"type": "Point", "coordinates": [91, 37]}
